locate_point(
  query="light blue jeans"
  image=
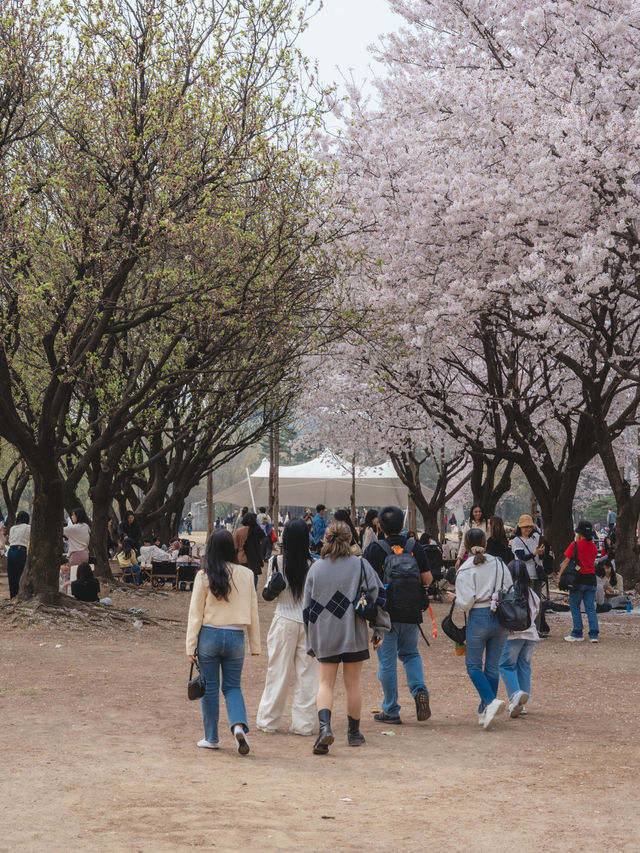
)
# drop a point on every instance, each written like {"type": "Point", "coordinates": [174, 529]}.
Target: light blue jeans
{"type": "Point", "coordinates": [485, 636]}
{"type": "Point", "coordinates": [221, 649]}
{"type": "Point", "coordinates": [401, 642]}
{"type": "Point", "coordinates": [515, 665]}
{"type": "Point", "coordinates": [576, 597]}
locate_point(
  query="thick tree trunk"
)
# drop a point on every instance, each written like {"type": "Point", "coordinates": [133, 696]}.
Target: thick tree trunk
{"type": "Point", "coordinates": [557, 519]}
{"type": "Point", "coordinates": [42, 572]}
{"type": "Point", "coordinates": [100, 495]}
{"type": "Point", "coordinates": [486, 486]}
{"type": "Point", "coordinates": [626, 546]}
{"type": "Point", "coordinates": [430, 518]}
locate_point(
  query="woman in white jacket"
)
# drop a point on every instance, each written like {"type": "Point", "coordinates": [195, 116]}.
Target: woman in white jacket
{"type": "Point", "coordinates": [477, 579]}
{"type": "Point", "coordinates": [78, 534]}
{"type": "Point", "coordinates": [286, 641]}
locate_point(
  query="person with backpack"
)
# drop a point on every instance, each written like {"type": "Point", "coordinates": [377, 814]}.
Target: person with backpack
{"type": "Point", "coordinates": [403, 567]}
{"type": "Point", "coordinates": [286, 640]}
{"type": "Point", "coordinates": [585, 550]}
{"type": "Point", "coordinates": [515, 663]}
{"type": "Point", "coordinates": [477, 580]}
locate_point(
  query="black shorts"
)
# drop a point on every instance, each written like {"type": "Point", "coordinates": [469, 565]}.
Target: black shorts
{"type": "Point", "coordinates": [347, 657]}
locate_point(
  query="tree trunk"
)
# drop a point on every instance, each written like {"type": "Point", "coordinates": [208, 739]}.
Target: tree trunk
{"type": "Point", "coordinates": [274, 478]}
{"type": "Point", "coordinates": [485, 489]}
{"type": "Point", "coordinates": [627, 550]}
{"type": "Point", "coordinates": [100, 495]}
{"type": "Point", "coordinates": [42, 572]}
{"type": "Point", "coordinates": [210, 512]}
{"type": "Point", "coordinates": [557, 520]}
{"type": "Point", "coordinates": [430, 518]}
{"type": "Point", "coordinates": [352, 499]}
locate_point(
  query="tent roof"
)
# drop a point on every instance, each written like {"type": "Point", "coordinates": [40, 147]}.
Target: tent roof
{"type": "Point", "coordinates": [326, 479]}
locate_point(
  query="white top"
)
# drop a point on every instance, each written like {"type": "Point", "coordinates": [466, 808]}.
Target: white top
{"type": "Point", "coordinates": [522, 543]}
{"type": "Point", "coordinates": [530, 633]}
{"type": "Point", "coordinates": [368, 537]}
{"type": "Point", "coordinates": [78, 536]}
{"type": "Point", "coordinates": [476, 584]}
{"type": "Point", "coordinates": [286, 607]}
{"type": "Point", "coordinates": [148, 553]}
{"type": "Point", "coordinates": [19, 535]}
{"type": "Point", "coordinates": [480, 525]}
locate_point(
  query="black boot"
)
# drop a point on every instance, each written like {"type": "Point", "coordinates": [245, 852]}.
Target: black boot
{"type": "Point", "coordinates": [354, 736]}
{"type": "Point", "coordinates": [325, 735]}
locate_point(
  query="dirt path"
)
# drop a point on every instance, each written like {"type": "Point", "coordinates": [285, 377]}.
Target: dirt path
{"type": "Point", "coordinates": [98, 753]}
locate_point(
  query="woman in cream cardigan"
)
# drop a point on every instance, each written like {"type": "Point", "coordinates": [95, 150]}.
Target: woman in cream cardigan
{"type": "Point", "coordinates": [223, 602]}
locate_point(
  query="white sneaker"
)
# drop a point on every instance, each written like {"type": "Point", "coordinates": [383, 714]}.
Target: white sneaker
{"type": "Point", "coordinates": [207, 744]}
{"type": "Point", "coordinates": [593, 639]}
{"type": "Point", "coordinates": [491, 712]}
{"type": "Point", "coordinates": [523, 712]}
{"type": "Point", "coordinates": [481, 717]}
{"type": "Point", "coordinates": [518, 700]}
{"type": "Point", "coordinates": [571, 639]}
{"type": "Point", "coordinates": [242, 744]}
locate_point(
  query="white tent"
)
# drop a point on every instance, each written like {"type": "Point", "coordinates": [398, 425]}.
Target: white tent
{"type": "Point", "coordinates": [326, 479]}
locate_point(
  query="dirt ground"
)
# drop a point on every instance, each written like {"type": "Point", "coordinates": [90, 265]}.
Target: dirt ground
{"type": "Point", "coordinates": [98, 746]}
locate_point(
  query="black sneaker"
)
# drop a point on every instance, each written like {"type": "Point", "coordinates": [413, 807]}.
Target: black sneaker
{"type": "Point", "coordinates": [385, 718]}
{"type": "Point", "coordinates": [423, 711]}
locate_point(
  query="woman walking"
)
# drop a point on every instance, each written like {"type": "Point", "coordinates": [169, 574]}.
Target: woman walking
{"type": "Point", "coordinates": [223, 602]}
{"type": "Point", "coordinates": [370, 532]}
{"type": "Point", "coordinates": [17, 554]}
{"type": "Point", "coordinates": [515, 663]}
{"type": "Point", "coordinates": [78, 534]}
{"type": "Point", "coordinates": [585, 592]}
{"type": "Point", "coordinates": [477, 521]}
{"type": "Point", "coordinates": [335, 633]}
{"type": "Point", "coordinates": [477, 580]}
{"type": "Point", "coordinates": [286, 642]}
{"type": "Point", "coordinates": [248, 541]}
{"type": "Point", "coordinates": [497, 543]}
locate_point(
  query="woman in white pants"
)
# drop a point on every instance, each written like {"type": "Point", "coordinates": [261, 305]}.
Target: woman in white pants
{"type": "Point", "coordinates": [286, 643]}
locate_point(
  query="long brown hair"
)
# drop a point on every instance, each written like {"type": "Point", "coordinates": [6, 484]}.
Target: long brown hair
{"type": "Point", "coordinates": [337, 541]}
{"type": "Point", "coordinates": [497, 531]}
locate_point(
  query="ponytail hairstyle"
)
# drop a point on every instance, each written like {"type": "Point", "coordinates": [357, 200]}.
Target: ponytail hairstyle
{"type": "Point", "coordinates": [337, 541]}
{"type": "Point", "coordinates": [521, 579]}
{"type": "Point", "coordinates": [475, 542]}
{"type": "Point", "coordinates": [221, 551]}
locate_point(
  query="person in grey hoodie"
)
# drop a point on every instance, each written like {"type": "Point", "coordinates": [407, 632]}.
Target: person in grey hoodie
{"type": "Point", "coordinates": [335, 633]}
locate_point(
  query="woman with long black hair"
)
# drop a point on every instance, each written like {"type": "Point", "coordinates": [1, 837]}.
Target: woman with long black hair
{"type": "Point", "coordinates": [223, 602]}
{"type": "Point", "coordinates": [370, 529]}
{"type": "Point", "coordinates": [248, 540]}
{"type": "Point", "coordinates": [286, 641]}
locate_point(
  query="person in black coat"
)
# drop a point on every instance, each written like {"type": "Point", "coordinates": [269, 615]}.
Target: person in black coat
{"type": "Point", "coordinates": [129, 528]}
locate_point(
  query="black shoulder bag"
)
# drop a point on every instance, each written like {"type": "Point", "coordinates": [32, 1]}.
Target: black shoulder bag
{"type": "Point", "coordinates": [453, 631]}
{"type": "Point", "coordinates": [195, 686]}
{"type": "Point", "coordinates": [276, 583]}
{"type": "Point", "coordinates": [570, 578]}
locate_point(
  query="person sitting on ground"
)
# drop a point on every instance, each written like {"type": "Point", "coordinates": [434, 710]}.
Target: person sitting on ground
{"type": "Point", "coordinates": [65, 575]}
{"type": "Point", "coordinates": [85, 587]}
{"type": "Point", "coordinates": [609, 594]}
{"type": "Point", "coordinates": [129, 562]}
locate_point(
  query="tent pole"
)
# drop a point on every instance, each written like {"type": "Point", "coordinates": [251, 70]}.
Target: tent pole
{"type": "Point", "coordinates": [253, 500]}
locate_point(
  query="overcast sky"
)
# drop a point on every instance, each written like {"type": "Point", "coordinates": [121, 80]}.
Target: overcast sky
{"type": "Point", "coordinates": [339, 34]}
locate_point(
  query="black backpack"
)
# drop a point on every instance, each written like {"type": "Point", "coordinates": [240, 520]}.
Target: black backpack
{"type": "Point", "coordinates": [513, 606]}
{"type": "Point", "coordinates": [406, 596]}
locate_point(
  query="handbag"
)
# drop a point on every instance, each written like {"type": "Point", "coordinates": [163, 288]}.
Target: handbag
{"type": "Point", "coordinates": [453, 631]}
{"type": "Point", "coordinates": [512, 608]}
{"type": "Point", "coordinates": [570, 578]}
{"type": "Point", "coordinates": [365, 605]}
{"type": "Point", "coordinates": [196, 686]}
{"type": "Point", "coordinates": [275, 584]}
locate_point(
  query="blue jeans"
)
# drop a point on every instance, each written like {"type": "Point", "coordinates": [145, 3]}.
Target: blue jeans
{"type": "Point", "coordinates": [221, 648]}
{"type": "Point", "coordinates": [576, 597]}
{"type": "Point", "coordinates": [485, 635]}
{"type": "Point", "coordinates": [401, 642]}
{"type": "Point", "coordinates": [515, 665]}
{"type": "Point", "coordinates": [16, 559]}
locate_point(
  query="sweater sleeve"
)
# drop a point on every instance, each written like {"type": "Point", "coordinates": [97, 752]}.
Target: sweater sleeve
{"type": "Point", "coordinates": [253, 629]}
{"type": "Point", "coordinates": [465, 590]}
{"type": "Point", "coordinates": [196, 612]}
